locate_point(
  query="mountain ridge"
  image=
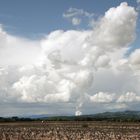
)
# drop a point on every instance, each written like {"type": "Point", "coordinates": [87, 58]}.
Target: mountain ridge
{"type": "Point", "coordinates": [127, 113]}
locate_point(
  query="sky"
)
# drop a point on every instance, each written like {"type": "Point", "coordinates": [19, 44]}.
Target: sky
{"type": "Point", "coordinates": [36, 17]}
{"type": "Point", "coordinates": [69, 57]}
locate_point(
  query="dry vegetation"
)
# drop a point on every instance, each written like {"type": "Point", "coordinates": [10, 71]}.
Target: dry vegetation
{"type": "Point", "coordinates": [69, 131]}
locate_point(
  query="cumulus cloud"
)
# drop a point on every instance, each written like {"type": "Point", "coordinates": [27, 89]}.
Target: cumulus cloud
{"type": "Point", "coordinates": [16, 50]}
{"type": "Point", "coordinates": [102, 97]}
{"type": "Point", "coordinates": [74, 68]}
{"type": "Point", "coordinates": [134, 61]}
{"type": "Point", "coordinates": [129, 97]}
{"type": "Point", "coordinates": [116, 29]}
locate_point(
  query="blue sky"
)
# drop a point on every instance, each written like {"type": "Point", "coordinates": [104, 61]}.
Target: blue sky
{"type": "Point", "coordinates": [32, 18]}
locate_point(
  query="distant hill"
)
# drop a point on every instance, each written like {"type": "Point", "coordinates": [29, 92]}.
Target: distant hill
{"type": "Point", "coordinates": [122, 116]}
{"type": "Point", "coordinates": [106, 116]}
{"type": "Point", "coordinates": [44, 116]}
{"type": "Point", "coordinates": [118, 114]}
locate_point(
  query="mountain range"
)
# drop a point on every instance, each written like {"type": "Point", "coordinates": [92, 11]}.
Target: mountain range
{"type": "Point", "coordinates": [121, 115]}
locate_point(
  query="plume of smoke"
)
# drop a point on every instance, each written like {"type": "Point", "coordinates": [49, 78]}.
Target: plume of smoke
{"type": "Point", "coordinates": [78, 113]}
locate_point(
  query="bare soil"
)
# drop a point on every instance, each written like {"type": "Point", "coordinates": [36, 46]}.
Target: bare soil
{"type": "Point", "coordinates": [69, 131]}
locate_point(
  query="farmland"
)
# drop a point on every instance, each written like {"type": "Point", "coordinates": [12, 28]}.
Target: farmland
{"type": "Point", "coordinates": [70, 130]}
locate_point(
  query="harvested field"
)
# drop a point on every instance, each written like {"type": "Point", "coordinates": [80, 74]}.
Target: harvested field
{"type": "Point", "coordinates": [69, 131]}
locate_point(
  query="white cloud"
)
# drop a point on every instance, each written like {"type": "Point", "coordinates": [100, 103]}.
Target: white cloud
{"type": "Point", "coordinates": [76, 21]}
{"type": "Point", "coordinates": [76, 15]}
{"type": "Point", "coordinates": [16, 50]}
{"type": "Point", "coordinates": [116, 29]}
{"type": "Point", "coordinates": [71, 12]}
{"type": "Point", "coordinates": [129, 97]}
{"type": "Point", "coordinates": [102, 97]}
{"type": "Point", "coordinates": [135, 61]}
{"type": "Point", "coordinates": [70, 61]}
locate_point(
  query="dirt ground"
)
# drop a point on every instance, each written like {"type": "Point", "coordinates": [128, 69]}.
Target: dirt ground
{"type": "Point", "coordinates": [69, 131]}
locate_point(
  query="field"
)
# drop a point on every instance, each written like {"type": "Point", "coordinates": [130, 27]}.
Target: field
{"type": "Point", "coordinates": [69, 131]}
